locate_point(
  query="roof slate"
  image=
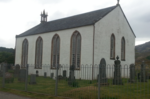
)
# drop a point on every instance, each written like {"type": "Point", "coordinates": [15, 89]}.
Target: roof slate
{"type": "Point", "coordinates": [70, 22]}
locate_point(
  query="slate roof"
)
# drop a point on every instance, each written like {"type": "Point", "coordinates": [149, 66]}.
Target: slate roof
{"type": "Point", "coordinates": [70, 22]}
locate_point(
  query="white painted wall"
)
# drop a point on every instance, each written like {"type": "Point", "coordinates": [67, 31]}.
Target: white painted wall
{"type": "Point", "coordinates": [115, 23]}
{"type": "Point", "coordinates": [65, 38]}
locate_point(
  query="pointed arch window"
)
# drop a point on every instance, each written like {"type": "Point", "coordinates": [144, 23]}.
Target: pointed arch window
{"type": "Point", "coordinates": [24, 53]}
{"type": "Point", "coordinates": [123, 48]}
{"type": "Point", "coordinates": [76, 50]}
{"type": "Point", "coordinates": [38, 53]}
{"type": "Point", "coordinates": [55, 51]}
{"type": "Point", "coordinates": [112, 47]}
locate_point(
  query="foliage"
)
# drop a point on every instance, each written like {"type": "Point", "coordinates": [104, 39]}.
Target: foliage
{"type": "Point", "coordinates": [7, 55]}
{"type": "Point", "coordinates": [75, 84]}
{"type": "Point", "coordinates": [10, 50]}
{"type": "Point", "coordinates": [148, 57]}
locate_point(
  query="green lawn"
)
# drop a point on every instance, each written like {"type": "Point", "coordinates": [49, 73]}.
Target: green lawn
{"type": "Point", "coordinates": [85, 89]}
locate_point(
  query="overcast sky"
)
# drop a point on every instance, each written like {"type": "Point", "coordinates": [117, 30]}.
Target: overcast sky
{"type": "Point", "coordinates": [18, 16]}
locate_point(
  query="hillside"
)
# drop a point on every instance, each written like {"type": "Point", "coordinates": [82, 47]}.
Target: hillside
{"type": "Point", "coordinates": [7, 55]}
{"type": "Point", "coordinates": [142, 52]}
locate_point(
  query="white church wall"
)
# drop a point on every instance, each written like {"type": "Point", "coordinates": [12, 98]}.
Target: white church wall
{"type": "Point", "coordinates": [115, 23]}
{"type": "Point", "coordinates": [65, 38]}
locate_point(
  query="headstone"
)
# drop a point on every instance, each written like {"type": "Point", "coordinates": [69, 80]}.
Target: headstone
{"type": "Point", "coordinates": [143, 73]}
{"type": "Point", "coordinates": [64, 74]}
{"type": "Point", "coordinates": [45, 75]}
{"type": "Point", "coordinates": [8, 77]}
{"type": "Point", "coordinates": [117, 73]}
{"type": "Point", "coordinates": [71, 78]}
{"type": "Point", "coordinates": [52, 75]}
{"type": "Point", "coordinates": [37, 73]}
{"type": "Point", "coordinates": [17, 71]}
{"type": "Point", "coordinates": [60, 77]}
{"type": "Point", "coordinates": [3, 66]}
{"type": "Point", "coordinates": [132, 73]}
{"type": "Point", "coordinates": [32, 79]}
{"type": "Point", "coordinates": [102, 72]}
{"type": "Point", "coordinates": [8, 67]}
{"type": "Point", "coordinates": [22, 75]}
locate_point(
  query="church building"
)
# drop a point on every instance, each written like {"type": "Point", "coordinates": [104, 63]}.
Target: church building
{"type": "Point", "coordinates": [78, 40]}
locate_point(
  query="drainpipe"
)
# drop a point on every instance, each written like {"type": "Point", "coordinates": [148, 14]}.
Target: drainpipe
{"type": "Point", "coordinates": [93, 50]}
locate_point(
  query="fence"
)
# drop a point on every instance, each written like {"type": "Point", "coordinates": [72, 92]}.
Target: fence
{"type": "Point", "coordinates": [84, 82]}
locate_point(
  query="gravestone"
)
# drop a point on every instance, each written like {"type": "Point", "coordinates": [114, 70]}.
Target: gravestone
{"type": "Point", "coordinates": [60, 77]}
{"type": "Point", "coordinates": [17, 71]}
{"type": "Point", "coordinates": [45, 74]}
{"type": "Point", "coordinates": [22, 75]}
{"type": "Point", "coordinates": [3, 66]}
{"type": "Point", "coordinates": [132, 73]}
{"type": "Point", "coordinates": [8, 77]}
{"type": "Point", "coordinates": [143, 73]}
{"type": "Point", "coordinates": [71, 78]}
{"type": "Point", "coordinates": [32, 79]}
{"type": "Point", "coordinates": [52, 75]}
{"type": "Point", "coordinates": [64, 74]}
{"type": "Point", "coordinates": [102, 72]}
{"type": "Point", "coordinates": [8, 67]}
{"type": "Point", "coordinates": [37, 73]}
{"type": "Point", "coordinates": [117, 73]}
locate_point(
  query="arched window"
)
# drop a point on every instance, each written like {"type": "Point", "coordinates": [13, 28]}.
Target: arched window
{"type": "Point", "coordinates": [55, 51]}
{"type": "Point", "coordinates": [24, 53]}
{"type": "Point", "coordinates": [76, 50]}
{"type": "Point", "coordinates": [38, 53]}
{"type": "Point", "coordinates": [122, 48]}
{"type": "Point", "coordinates": [112, 47]}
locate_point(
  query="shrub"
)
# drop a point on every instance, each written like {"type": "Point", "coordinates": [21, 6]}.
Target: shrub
{"type": "Point", "coordinates": [148, 57]}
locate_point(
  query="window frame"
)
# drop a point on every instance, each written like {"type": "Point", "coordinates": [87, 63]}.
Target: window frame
{"type": "Point", "coordinates": [76, 33]}
{"type": "Point", "coordinates": [39, 38]}
{"type": "Point", "coordinates": [123, 49]}
{"type": "Point", "coordinates": [114, 49]}
{"type": "Point", "coordinates": [52, 42]}
{"type": "Point", "coordinates": [22, 61]}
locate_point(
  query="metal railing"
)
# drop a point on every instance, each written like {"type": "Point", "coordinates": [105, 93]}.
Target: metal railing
{"type": "Point", "coordinates": [84, 82]}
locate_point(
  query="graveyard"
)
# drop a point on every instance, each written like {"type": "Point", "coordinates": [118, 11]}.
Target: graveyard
{"type": "Point", "coordinates": [136, 85]}
{"type": "Point", "coordinates": [85, 88]}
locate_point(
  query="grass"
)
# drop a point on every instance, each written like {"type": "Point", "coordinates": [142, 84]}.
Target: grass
{"type": "Point", "coordinates": [85, 90]}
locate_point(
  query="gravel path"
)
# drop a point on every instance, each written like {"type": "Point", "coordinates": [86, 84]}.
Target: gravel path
{"type": "Point", "coordinates": [4, 95]}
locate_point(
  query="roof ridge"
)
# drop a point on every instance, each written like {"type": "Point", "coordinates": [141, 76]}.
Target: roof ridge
{"type": "Point", "coordinates": [79, 20]}
{"type": "Point", "coordinates": [82, 13]}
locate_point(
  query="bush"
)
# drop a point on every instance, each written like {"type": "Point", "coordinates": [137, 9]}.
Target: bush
{"type": "Point", "coordinates": [148, 57]}
{"type": "Point", "coordinates": [90, 82]}
{"type": "Point", "coordinates": [75, 84]}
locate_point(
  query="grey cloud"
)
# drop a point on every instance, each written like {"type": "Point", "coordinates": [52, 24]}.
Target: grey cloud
{"type": "Point", "coordinates": [145, 18]}
{"type": "Point", "coordinates": [56, 15]}
{"type": "Point", "coordinates": [6, 44]}
{"type": "Point", "coordinates": [139, 18]}
{"type": "Point", "coordinates": [31, 24]}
